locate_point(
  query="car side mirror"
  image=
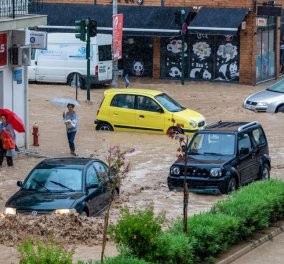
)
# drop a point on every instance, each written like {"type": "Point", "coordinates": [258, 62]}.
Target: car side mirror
{"type": "Point", "coordinates": [244, 151]}
{"type": "Point", "coordinates": [160, 110]}
{"type": "Point", "coordinates": [19, 183]}
{"type": "Point", "coordinates": [91, 186]}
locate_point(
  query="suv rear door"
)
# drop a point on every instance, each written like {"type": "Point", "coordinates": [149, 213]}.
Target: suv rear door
{"type": "Point", "coordinates": [247, 158]}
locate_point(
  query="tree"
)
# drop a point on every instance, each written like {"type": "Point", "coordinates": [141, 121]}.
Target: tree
{"type": "Point", "coordinates": [118, 169]}
{"type": "Point", "coordinates": [183, 140]}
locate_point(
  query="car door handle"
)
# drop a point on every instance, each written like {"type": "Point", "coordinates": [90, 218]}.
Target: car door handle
{"type": "Point", "coordinates": [115, 114]}
{"type": "Point", "coordinates": [141, 116]}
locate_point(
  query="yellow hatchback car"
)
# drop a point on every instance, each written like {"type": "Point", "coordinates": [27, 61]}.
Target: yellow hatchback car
{"type": "Point", "coordinates": [143, 110]}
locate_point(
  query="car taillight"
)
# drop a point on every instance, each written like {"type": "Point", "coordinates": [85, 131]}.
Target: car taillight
{"type": "Point", "coordinates": [97, 70]}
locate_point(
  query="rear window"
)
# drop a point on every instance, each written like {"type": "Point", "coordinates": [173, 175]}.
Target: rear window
{"type": "Point", "coordinates": [105, 53]}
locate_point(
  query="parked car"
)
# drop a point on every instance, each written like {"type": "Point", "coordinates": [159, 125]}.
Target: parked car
{"type": "Point", "coordinates": [63, 185]}
{"type": "Point", "coordinates": [270, 100]}
{"type": "Point", "coordinates": [222, 157]}
{"type": "Point", "coordinates": [143, 110]}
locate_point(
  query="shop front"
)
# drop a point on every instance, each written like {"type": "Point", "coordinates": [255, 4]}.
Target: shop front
{"type": "Point", "coordinates": [265, 49]}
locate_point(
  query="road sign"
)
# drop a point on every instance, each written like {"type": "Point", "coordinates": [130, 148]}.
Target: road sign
{"type": "Point", "coordinates": [38, 39]}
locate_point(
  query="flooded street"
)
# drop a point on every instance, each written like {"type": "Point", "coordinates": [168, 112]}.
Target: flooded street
{"type": "Point", "coordinates": [146, 183]}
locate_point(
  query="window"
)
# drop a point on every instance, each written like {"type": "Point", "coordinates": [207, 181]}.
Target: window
{"type": "Point", "coordinates": [258, 136]}
{"type": "Point", "coordinates": [147, 104]}
{"type": "Point", "coordinates": [123, 101]}
{"type": "Point", "coordinates": [244, 142]}
{"type": "Point", "coordinates": [105, 53]}
{"type": "Point", "coordinates": [92, 177]}
{"type": "Point", "coordinates": [101, 170]}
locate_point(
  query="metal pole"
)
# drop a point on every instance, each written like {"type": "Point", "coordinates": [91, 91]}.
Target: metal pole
{"type": "Point", "coordinates": [88, 60]}
{"type": "Point", "coordinates": [114, 63]}
{"type": "Point", "coordinates": [182, 48]}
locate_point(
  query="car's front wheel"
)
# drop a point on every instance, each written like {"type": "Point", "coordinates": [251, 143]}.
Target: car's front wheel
{"type": "Point", "coordinates": [280, 109]}
{"type": "Point", "coordinates": [104, 127]}
{"type": "Point", "coordinates": [232, 186]}
{"type": "Point", "coordinates": [265, 172]}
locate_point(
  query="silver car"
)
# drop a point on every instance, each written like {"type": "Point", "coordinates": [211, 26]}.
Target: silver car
{"type": "Point", "coordinates": [270, 100]}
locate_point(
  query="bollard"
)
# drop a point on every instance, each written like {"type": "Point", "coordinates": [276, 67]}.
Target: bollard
{"type": "Point", "coordinates": [35, 134]}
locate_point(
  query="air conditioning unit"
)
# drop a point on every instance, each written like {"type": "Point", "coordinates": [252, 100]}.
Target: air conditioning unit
{"type": "Point", "coordinates": [21, 56]}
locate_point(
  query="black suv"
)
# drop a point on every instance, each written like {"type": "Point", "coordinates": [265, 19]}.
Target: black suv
{"type": "Point", "coordinates": [222, 157]}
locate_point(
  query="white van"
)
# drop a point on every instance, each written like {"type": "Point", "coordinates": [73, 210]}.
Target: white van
{"type": "Point", "coordinates": [65, 56]}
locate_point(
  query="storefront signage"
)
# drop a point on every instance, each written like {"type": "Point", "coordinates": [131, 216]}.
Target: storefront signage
{"type": "Point", "coordinates": [3, 49]}
{"type": "Point", "coordinates": [117, 21]}
{"type": "Point", "coordinates": [38, 39]}
{"type": "Point", "coordinates": [261, 22]}
{"type": "Point", "coordinates": [269, 11]}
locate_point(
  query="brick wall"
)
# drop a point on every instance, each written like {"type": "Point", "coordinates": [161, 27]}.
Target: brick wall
{"type": "Point", "coordinates": [156, 57]}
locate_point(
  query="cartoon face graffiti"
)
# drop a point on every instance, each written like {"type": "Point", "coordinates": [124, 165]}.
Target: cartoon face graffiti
{"type": "Point", "coordinates": [202, 50]}
{"type": "Point", "coordinates": [175, 72]}
{"type": "Point", "coordinates": [175, 46]}
{"type": "Point", "coordinates": [228, 51]}
{"type": "Point", "coordinates": [138, 68]}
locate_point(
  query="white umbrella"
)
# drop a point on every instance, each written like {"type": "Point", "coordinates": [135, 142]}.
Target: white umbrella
{"type": "Point", "coordinates": [59, 101]}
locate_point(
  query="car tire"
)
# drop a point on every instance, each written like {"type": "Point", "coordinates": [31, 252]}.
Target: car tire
{"type": "Point", "coordinates": [265, 172]}
{"type": "Point", "coordinates": [175, 130]}
{"type": "Point", "coordinates": [280, 109]}
{"type": "Point", "coordinates": [81, 80]}
{"type": "Point", "coordinates": [104, 127]}
{"type": "Point", "coordinates": [232, 186]}
{"type": "Point", "coordinates": [84, 213]}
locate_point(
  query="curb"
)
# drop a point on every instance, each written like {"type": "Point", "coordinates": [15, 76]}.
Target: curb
{"type": "Point", "coordinates": [254, 243]}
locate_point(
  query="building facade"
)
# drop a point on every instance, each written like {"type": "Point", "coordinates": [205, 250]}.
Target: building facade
{"type": "Point", "coordinates": [15, 18]}
{"type": "Point", "coordinates": [227, 41]}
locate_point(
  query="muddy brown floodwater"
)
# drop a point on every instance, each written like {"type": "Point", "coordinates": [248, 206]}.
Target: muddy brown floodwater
{"type": "Point", "coordinates": [146, 182]}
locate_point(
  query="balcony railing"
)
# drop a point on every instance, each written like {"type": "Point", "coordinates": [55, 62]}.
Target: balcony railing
{"type": "Point", "coordinates": [15, 8]}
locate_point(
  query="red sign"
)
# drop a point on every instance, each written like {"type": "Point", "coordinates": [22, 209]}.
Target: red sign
{"type": "Point", "coordinates": [3, 49]}
{"type": "Point", "coordinates": [117, 22]}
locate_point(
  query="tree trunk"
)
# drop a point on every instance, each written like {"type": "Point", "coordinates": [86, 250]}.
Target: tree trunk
{"type": "Point", "coordinates": [106, 218]}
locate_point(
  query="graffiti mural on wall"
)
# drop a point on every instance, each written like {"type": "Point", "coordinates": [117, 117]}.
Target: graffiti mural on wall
{"type": "Point", "coordinates": [171, 55]}
{"type": "Point", "coordinates": [214, 58]}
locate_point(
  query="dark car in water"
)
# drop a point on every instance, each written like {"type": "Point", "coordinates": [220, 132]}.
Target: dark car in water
{"type": "Point", "coordinates": [222, 157]}
{"type": "Point", "coordinates": [64, 185]}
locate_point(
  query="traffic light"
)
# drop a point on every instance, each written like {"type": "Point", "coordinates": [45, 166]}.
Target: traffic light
{"type": "Point", "coordinates": [80, 28]}
{"type": "Point", "coordinates": [92, 26]}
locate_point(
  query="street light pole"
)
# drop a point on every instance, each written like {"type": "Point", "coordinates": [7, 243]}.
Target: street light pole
{"type": "Point", "coordinates": [182, 14]}
{"type": "Point", "coordinates": [114, 63]}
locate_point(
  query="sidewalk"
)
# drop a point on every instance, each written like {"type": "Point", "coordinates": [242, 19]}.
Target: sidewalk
{"type": "Point", "coordinates": [265, 246]}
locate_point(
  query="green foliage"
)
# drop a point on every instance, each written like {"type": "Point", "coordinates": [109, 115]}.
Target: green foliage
{"type": "Point", "coordinates": [138, 231]}
{"type": "Point", "coordinates": [124, 260]}
{"type": "Point", "coordinates": [173, 248]}
{"type": "Point", "coordinates": [256, 205]}
{"type": "Point", "coordinates": [39, 253]}
{"type": "Point", "coordinates": [209, 233]}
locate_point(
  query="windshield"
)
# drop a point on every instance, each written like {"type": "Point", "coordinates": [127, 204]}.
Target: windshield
{"type": "Point", "coordinates": [212, 144]}
{"type": "Point", "coordinates": [55, 179]}
{"type": "Point", "coordinates": [169, 103]}
{"type": "Point", "coordinates": [277, 87]}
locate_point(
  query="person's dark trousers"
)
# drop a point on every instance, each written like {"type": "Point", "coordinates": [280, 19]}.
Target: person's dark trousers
{"type": "Point", "coordinates": [71, 138]}
{"type": "Point", "coordinates": [2, 154]}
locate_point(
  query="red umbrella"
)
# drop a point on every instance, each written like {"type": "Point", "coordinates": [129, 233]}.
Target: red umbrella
{"type": "Point", "coordinates": [13, 119]}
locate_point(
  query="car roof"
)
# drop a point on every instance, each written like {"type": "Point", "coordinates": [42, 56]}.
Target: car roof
{"type": "Point", "coordinates": [65, 161]}
{"type": "Point", "coordinates": [233, 126]}
{"type": "Point", "coordinates": [132, 91]}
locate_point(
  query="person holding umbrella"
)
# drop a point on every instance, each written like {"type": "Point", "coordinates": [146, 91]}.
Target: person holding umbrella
{"type": "Point", "coordinates": [7, 132]}
{"type": "Point", "coordinates": [71, 121]}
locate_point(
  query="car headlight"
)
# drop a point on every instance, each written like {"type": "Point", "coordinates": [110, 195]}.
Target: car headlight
{"type": "Point", "coordinates": [175, 170]}
{"type": "Point", "coordinates": [10, 211]}
{"type": "Point", "coordinates": [192, 124]}
{"type": "Point", "coordinates": [216, 172]}
{"type": "Point", "coordinates": [262, 104]}
{"type": "Point", "coordinates": [65, 211]}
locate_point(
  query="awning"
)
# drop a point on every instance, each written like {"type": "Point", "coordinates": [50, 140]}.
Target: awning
{"type": "Point", "coordinates": [138, 20]}
{"type": "Point", "coordinates": [218, 21]}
